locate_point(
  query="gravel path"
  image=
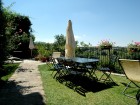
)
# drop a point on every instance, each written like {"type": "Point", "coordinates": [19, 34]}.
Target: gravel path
{"type": "Point", "coordinates": [24, 87]}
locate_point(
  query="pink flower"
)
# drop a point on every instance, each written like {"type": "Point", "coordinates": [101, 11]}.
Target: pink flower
{"type": "Point", "coordinates": [137, 43]}
{"type": "Point", "coordinates": [20, 30]}
{"type": "Point", "coordinates": [106, 43]}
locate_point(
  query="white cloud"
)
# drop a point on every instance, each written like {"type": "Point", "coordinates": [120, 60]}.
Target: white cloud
{"type": "Point", "coordinates": [80, 37]}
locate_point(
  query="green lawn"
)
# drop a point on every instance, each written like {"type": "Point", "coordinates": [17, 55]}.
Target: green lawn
{"type": "Point", "coordinates": [8, 70]}
{"type": "Point", "coordinates": [87, 93]}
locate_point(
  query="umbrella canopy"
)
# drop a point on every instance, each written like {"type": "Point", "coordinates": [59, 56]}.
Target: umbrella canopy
{"type": "Point", "coordinates": [70, 42]}
{"type": "Point", "coordinates": [31, 44]}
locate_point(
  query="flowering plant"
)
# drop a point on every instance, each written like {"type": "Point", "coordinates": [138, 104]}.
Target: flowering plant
{"type": "Point", "coordinates": [106, 44]}
{"type": "Point", "coordinates": [134, 46]}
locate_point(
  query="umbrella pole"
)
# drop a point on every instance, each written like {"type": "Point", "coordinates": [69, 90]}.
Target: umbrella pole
{"type": "Point", "coordinates": [31, 53]}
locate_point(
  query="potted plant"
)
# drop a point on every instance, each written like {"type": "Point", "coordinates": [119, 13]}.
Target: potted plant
{"type": "Point", "coordinates": [105, 44]}
{"type": "Point", "coordinates": [37, 58]}
{"type": "Point", "coordinates": [43, 59]}
{"type": "Point", "coordinates": [47, 55]}
{"type": "Point", "coordinates": [43, 54]}
{"type": "Point", "coordinates": [134, 47]}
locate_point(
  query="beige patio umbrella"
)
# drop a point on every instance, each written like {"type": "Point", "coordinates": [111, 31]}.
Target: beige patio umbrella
{"type": "Point", "coordinates": [70, 42]}
{"type": "Point", "coordinates": [31, 45]}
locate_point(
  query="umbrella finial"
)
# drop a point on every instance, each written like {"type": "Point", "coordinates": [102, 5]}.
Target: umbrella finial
{"type": "Point", "coordinates": [69, 25]}
{"type": "Point", "coordinates": [69, 22]}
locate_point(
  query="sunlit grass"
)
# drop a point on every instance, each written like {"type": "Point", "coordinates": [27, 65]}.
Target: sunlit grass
{"type": "Point", "coordinates": [59, 94]}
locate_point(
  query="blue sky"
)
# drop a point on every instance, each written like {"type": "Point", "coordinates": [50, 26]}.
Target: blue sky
{"type": "Point", "coordinates": [92, 20]}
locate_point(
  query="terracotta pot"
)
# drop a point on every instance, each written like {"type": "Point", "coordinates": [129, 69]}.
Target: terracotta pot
{"type": "Point", "coordinates": [43, 59]}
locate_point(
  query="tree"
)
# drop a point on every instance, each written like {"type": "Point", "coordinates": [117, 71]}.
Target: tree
{"type": "Point", "coordinates": [43, 51]}
{"type": "Point", "coordinates": [21, 35]}
{"type": "Point", "coordinates": [84, 44]}
{"type": "Point", "coordinates": [59, 44]}
{"type": "Point", "coordinates": [18, 30]}
{"type": "Point", "coordinates": [3, 37]}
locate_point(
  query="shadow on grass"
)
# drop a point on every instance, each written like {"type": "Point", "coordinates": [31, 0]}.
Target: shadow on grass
{"type": "Point", "coordinates": [21, 69]}
{"type": "Point", "coordinates": [11, 94]}
{"type": "Point", "coordinates": [83, 84]}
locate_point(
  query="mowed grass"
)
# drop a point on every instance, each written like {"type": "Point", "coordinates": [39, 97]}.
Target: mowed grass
{"type": "Point", "coordinates": [9, 69]}
{"type": "Point", "coordinates": [95, 93]}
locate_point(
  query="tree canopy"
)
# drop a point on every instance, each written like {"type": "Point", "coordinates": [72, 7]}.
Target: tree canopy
{"type": "Point", "coordinates": [59, 43]}
{"type": "Point", "coordinates": [3, 37]}
{"type": "Point", "coordinates": [15, 32]}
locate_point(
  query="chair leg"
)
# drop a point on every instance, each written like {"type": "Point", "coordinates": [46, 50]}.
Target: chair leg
{"type": "Point", "coordinates": [108, 77]}
{"type": "Point", "coordinates": [126, 89]}
{"type": "Point", "coordinates": [55, 74]}
{"type": "Point", "coordinates": [93, 75]}
{"type": "Point", "coordinates": [138, 97]}
{"type": "Point", "coordinates": [135, 84]}
{"type": "Point", "coordinates": [58, 72]}
{"type": "Point", "coordinates": [102, 76]}
{"type": "Point", "coordinates": [52, 68]}
{"type": "Point", "coordinates": [138, 102]}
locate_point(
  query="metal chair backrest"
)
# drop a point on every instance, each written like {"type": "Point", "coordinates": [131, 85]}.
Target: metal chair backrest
{"type": "Point", "coordinates": [131, 69]}
{"type": "Point", "coordinates": [111, 63]}
{"type": "Point", "coordinates": [60, 61]}
{"type": "Point", "coordinates": [113, 59]}
{"type": "Point", "coordinates": [68, 62]}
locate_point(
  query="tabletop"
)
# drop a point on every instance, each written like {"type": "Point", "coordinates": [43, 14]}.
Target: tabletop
{"type": "Point", "coordinates": [82, 60]}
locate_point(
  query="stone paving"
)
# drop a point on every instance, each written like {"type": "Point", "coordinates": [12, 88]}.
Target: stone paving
{"type": "Point", "coordinates": [24, 87]}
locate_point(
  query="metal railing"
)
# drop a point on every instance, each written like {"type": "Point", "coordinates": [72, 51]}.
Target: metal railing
{"type": "Point", "coordinates": [104, 54]}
